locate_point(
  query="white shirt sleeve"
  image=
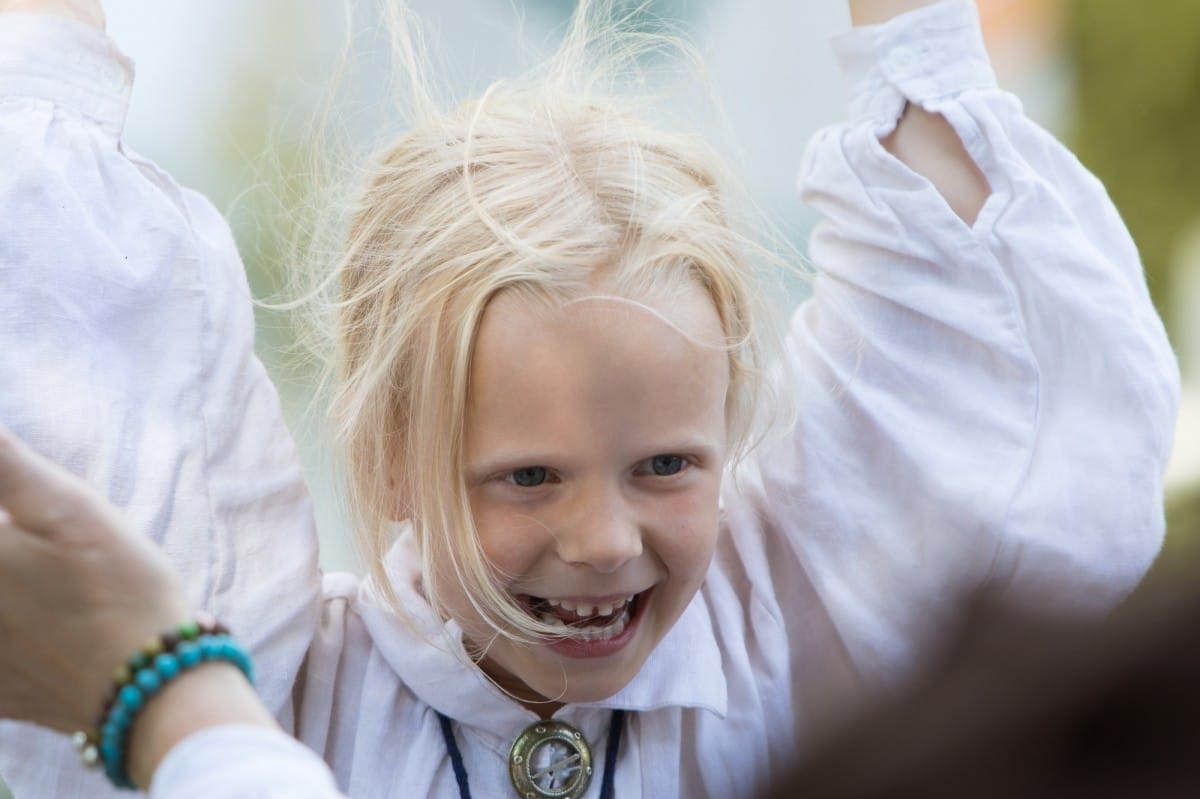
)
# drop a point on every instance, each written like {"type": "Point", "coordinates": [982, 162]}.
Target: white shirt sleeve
{"type": "Point", "coordinates": [237, 762]}
{"type": "Point", "coordinates": [128, 357]}
{"type": "Point", "coordinates": [979, 406]}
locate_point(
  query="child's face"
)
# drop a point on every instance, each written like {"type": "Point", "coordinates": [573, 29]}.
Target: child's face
{"type": "Point", "coordinates": [595, 445]}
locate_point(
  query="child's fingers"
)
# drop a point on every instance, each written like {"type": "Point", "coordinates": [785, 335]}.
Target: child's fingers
{"type": "Point", "coordinates": [43, 498]}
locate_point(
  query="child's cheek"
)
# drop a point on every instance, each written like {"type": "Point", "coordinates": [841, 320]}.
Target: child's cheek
{"type": "Point", "coordinates": [504, 531]}
{"type": "Point", "coordinates": [689, 522]}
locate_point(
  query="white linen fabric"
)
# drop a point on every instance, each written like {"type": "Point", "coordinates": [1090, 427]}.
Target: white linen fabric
{"type": "Point", "coordinates": [126, 349]}
{"type": "Point", "coordinates": [987, 404]}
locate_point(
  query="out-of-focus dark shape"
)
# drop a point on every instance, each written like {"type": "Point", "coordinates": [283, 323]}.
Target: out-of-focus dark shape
{"type": "Point", "coordinates": [1026, 707]}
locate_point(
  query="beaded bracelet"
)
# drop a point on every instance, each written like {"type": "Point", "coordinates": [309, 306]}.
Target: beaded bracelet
{"type": "Point", "coordinates": [140, 678]}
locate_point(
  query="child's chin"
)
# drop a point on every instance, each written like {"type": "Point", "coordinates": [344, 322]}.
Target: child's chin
{"type": "Point", "coordinates": [571, 672]}
{"type": "Point", "coordinates": [552, 683]}
{"type": "Point", "coordinates": [580, 694]}
{"type": "Point", "coordinates": [584, 681]}
{"type": "Point", "coordinates": [596, 690]}
{"type": "Point", "coordinates": [590, 681]}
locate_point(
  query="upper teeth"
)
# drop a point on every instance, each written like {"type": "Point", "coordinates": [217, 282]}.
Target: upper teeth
{"type": "Point", "coordinates": [588, 609]}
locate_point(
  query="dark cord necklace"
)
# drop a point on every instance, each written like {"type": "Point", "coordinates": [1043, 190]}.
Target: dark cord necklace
{"type": "Point", "coordinates": [548, 760]}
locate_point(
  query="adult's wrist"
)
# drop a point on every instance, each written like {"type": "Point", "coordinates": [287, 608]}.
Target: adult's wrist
{"type": "Point", "coordinates": [190, 677]}
{"type": "Point", "coordinates": [210, 695]}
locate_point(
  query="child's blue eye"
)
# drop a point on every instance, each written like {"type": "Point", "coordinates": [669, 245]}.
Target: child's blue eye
{"type": "Point", "coordinates": [666, 465]}
{"type": "Point", "coordinates": [529, 477]}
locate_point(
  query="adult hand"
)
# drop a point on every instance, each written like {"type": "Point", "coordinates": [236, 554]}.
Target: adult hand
{"type": "Point", "coordinates": [79, 593]}
{"type": "Point", "coordinates": [88, 12]}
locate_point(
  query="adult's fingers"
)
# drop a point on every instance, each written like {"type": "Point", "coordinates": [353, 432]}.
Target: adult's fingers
{"type": "Point", "coordinates": [77, 596]}
{"type": "Point", "coordinates": [45, 499]}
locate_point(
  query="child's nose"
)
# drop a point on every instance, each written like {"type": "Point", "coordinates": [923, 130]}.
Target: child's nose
{"type": "Point", "coordinates": [604, 534]}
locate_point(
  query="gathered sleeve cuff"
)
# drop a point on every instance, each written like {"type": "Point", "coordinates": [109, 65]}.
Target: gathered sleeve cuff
{"type": "Point", "coordinates": [67, 63]}
{"type": "Point", "coordinates": [932, 53]}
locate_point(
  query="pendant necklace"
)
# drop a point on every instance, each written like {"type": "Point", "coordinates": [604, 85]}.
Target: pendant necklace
{"type": "Point", "coordinates": [548, 760]}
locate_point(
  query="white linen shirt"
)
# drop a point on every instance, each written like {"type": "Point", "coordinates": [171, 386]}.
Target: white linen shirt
{"type": "Point", "coordinates": [987, 404]}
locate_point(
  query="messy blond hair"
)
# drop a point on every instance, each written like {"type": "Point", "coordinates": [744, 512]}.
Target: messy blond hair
{"type": "Point", "coordinates": [550, 186]}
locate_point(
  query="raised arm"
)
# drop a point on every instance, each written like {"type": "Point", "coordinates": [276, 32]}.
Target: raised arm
{"type": "Point", "coordinates": [128, 359]}
{"type": "Point", "coordinates": [984, 404]}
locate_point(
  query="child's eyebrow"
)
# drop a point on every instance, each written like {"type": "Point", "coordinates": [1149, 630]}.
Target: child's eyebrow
{"type": "Point", "coordinates": [479, 470]}
{"type": "Point", "coordinates": [696, 446]}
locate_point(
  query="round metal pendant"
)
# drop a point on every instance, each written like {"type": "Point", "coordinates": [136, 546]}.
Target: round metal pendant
{"type": "Point", "coordinates": [550, 759]}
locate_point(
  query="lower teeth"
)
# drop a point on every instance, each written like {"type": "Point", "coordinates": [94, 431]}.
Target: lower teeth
{"type": "Point", "coordinates": [605, 633]}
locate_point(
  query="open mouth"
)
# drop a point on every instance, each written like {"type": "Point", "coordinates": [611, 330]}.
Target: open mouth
{"type": "Point", "coordinates": [584, 621]}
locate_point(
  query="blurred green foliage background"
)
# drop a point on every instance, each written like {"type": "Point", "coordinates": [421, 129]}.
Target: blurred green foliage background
{"type": "Point", "coordinates": [1136, 124]}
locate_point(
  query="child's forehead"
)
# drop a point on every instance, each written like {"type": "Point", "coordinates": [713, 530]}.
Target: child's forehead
{"type": "Point", "coordinates": [686, 309]}
{"type": "Point", "coordinates": [551, 377]}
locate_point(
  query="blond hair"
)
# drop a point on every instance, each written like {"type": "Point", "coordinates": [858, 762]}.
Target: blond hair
{"type": "Point", "coordinates": [550, 186]}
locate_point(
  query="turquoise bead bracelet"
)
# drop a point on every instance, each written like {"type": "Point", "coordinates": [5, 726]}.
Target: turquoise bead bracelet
{"type": "Point", "coordinates": [142, 677]}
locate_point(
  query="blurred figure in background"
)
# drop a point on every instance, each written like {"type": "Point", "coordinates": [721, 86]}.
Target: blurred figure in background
{"type": "Point", "coordinates": [1036, 707]}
